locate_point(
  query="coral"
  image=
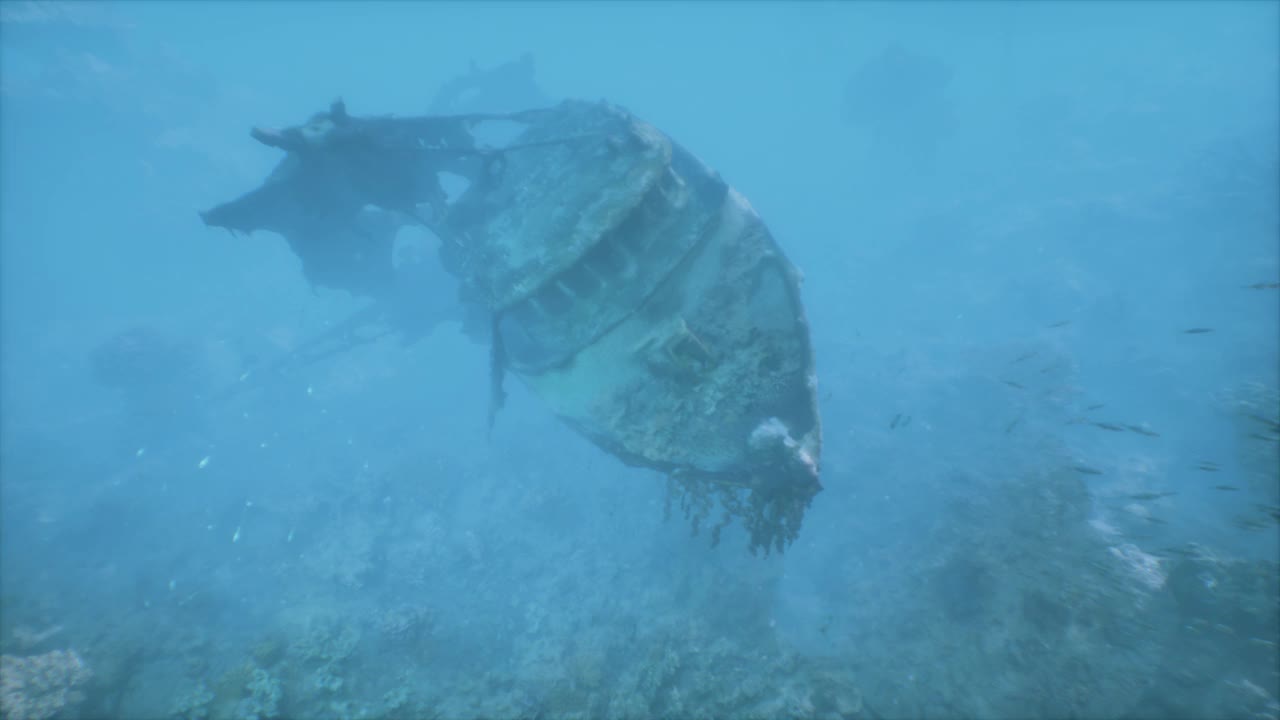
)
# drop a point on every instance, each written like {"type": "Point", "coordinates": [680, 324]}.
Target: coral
{"type": "Point", "coordinates": [194, 705]}
{"type": "Point", "coordinates": [1144, 568]}
{"type": "Point", "coordinates": [264, 697]}
{"type": "Point", "coordinates": [323, 641]}
{"type": "Point", "coordinates": [394, 701]}
{"type": "Point", "coordinates": [40, 686]}
{"type": "Point", "coordinates": [1219, 659]}
{"type": "Point", "coordinates": [326, 679]}
{"type": "Point", "coordinates": [403, 623]}
{"type": "Point", "coordinates": [269, 651]}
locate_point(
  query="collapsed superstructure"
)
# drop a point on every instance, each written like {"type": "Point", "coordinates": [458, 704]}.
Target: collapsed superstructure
{"type": "Point", "coordinates": [624, 281]}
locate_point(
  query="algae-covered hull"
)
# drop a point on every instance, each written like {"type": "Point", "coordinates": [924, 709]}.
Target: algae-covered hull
{"type": "Point", "coordinates": [631, 288]}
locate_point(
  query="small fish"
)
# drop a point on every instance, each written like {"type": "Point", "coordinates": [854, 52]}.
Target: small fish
{"type": "Point", "coordinates": [1013, 384]}
{"type": "Point", "coordinates": [1026, 356]}
{"type": "Point", "coordinates": [204, 462]}
{"type": "Point", "coordinates": [1208, 466]}
{"type": "Point", "coordinates": [1086, 470]}
{"type": "Point", "coordinates": [1156, 520]}
{"type": "Point", "coordinates": [1197, 331]}
{"type": "Point", "coordinates": [1151, 495]}
{"type": "Point", "coordinates": [1009, 428]}
{"type": "Point", "coordinates": [1273, 425]}
{"type": "Point", "coordinates": [1262, 286]}
{"type": "Point", "coordinates": [1060, 323]}
{"type": "Point", "coordinates": [1108, 426]}
{"type": "Point", "coordinates": [906, 422]}
{"type": "Point", "coordinates": [290, 538]}
{"type": "Point", "coordinates": [1245, 523]}
{"type": "Point", "coordinates": [1272, 510]}
{"type": "Point", "coordinates": [236, 538]}
{"type": "Point", "coordinates": [1229, 488]}
{"type": "Point", "coordinates": [896, 419]}
{"type": "Point", "coordinates": [1097, 406]}
{"type": "Point", "coordinates": [1142, 431]}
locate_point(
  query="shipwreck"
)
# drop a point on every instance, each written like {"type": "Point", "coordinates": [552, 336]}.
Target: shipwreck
{"type": "Point", "coordinates": [629, 286]}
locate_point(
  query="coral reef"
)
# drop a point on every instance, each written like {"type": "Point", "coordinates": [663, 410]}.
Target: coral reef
{"type": "Point", "coordinates": [263, 701]}
{"type": "Point", "coordinates": [195, 705]}
{"type": "Point", "coordinates": [321, 637]}
{"type": "Point", "coordinates": [404, 624]}
{"type": "Point", "coordinates": [38, 687]}
{"type": "Point", "coordinates": [1220, 657]}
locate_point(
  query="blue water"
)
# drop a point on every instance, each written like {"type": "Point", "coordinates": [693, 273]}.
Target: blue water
{"type": "Point", "coordinates": [1007, 216]}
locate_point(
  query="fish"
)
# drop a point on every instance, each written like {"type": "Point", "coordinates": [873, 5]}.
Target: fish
{"type": "Point", "coordinates": [1230, 488]}
{"type": "Point", "coordinates": [1245, 523]}
{"type": "Point", "coordinates": [1013, 384]}
{"type": "Point", "coordinates": [1060, 323]}
{"type": "Point", "coordinates": [1271, 424]}
{"type": "Point", "coordinates": [1086, 470]}
{"type": "Point", "coordinates": [896, 419]}
{"type": "Point", "coordinates": [1151, 495]}
{"type": "Point", "coordinates": [1026, 356]}
{"type": "Point", "coordinates": [1272, 510]}
{"type": "Point", "coordinates": [204, 462]}
{"type": "Point", "coordinates": [1108, 426]}
{"type": "Point", "coordinates": [1262, 286]}
{"type": "Point", "coordinates": [1197, 331]}
{"type": "Point", "coordinates": [1142, 431]}
{"type": "Point", "coordinates": [1208, 466]}
{"type": "Point", "coordinates": [1009, 428]}
{"type": "Point", "coordinates": [1155, 520]}
{"type": "Point", "coordinates": [1096, 406]}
